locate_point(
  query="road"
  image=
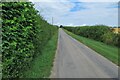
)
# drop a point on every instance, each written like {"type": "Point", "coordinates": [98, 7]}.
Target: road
{"type": "Point", "coordinates": [75, 60]}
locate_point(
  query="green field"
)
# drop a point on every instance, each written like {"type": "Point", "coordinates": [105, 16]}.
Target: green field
{"type": "Point", "coordinates": [110, 52]}
{"type": "Point", "coordinates": [42, 65]}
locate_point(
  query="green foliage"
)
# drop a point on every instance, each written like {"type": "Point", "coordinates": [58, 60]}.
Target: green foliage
{"type": "Point", "coordinates": [24, 33]}
{"type": "Point", "coordinates": [99, 32]}
{"type": "Point", "coordinates": [108, 37]}
{"type": "Point", "coordinates": [43, 63]}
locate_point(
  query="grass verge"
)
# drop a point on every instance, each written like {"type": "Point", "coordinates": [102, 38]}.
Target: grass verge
{"type": "Point", "coordinates": [110, 52]}
{"type": "Point", "coordinates": [42, 65]}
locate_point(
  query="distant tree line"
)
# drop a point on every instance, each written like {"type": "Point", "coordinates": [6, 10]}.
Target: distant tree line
{"type": "Point", "coordinates": [100, 33]}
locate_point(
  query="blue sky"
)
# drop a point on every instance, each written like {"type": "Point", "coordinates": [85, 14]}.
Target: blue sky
{"type": "Point", "coordinates": [78, 6]}
{"type": "Point", "coordinates": [79, 12]}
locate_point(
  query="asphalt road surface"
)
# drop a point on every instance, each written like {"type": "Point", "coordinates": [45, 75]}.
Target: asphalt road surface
{"type": "Point", "coordinates": [75, 60]}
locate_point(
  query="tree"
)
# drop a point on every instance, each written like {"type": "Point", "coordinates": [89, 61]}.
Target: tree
{"type": "Point", "coordinates": [61, 26]}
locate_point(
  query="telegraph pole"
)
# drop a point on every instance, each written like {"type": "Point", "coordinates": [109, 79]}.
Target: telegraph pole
{"type": "Point", "coordinates": [52, 20]}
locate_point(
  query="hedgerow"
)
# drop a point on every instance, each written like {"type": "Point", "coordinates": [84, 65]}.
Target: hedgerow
{"type": "Point", "coordinates": [24, 33]}
{"type": "Point", "coordinates": [100, 33]}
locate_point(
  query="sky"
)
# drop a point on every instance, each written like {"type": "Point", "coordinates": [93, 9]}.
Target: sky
{"type": "Point", "coordinates": [79, 12]}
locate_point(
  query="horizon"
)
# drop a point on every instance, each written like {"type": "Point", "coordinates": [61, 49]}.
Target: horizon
{"type": "Point", "coordinates": [88, 25]}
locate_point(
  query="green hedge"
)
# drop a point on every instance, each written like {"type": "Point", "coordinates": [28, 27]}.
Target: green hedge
{"type": "Point", "coordinates": [24, 33]}
{"type": "Point", "coordinates": [100, 33]}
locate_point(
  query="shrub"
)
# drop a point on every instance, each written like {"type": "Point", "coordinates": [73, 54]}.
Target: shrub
{"type": "Point", "coordinates": [98, 32]}
{"type": "Point", "coordinates": [108, 38]}
{"type": "Point", "coordinates": [24, 33]}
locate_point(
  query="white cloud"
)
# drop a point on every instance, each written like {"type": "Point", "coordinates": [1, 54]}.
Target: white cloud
{"type": "Point", "coordinates": [98, 0]}
{"type": "Point", "coordinates": [95, 12]}
{"type": "Point", "coordinates": [83, 25]}
{"type": "Point", "coordinates": [49, 0]}
{"type": "Point", "coordinates": [71, 24]}
{"type": "Point", "coordinates": [75, 0]}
